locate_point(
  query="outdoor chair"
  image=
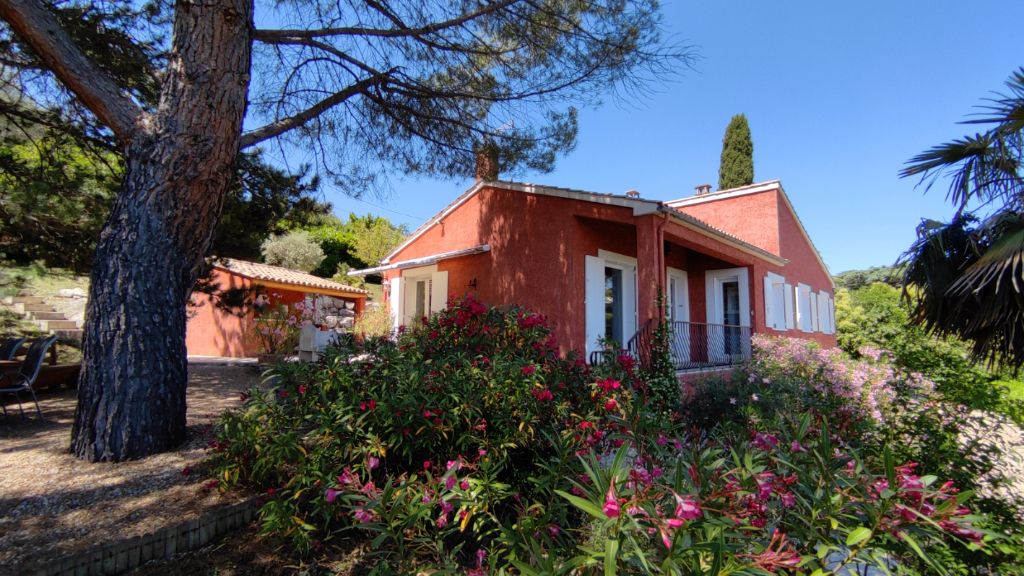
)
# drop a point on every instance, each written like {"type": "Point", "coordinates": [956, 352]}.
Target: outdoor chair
{"type": "Point", "coordinates": [22, 380]}
{"type": "Point", "coordinates": [10, 347]}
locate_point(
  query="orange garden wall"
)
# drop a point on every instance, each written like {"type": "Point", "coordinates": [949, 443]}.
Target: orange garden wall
{"type": "Point", "coordinates": [211, 332]}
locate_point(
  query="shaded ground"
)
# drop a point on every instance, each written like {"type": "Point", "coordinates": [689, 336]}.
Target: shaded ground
{"type": "Point", "coordinates": [52, 504]}
{"type": "Point", "coordinates": [246, 553]}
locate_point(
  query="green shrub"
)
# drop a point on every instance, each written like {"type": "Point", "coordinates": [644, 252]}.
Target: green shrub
{"type": "Point", "coordinates": [469, 445]}
{"type": "Point", "coordinates": [295, 250]}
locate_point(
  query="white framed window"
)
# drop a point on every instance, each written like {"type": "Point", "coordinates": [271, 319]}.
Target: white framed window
{"type": "Point", "coordinates": [803, 308]}
{"type": "Point", "coordinates": [728, 309]}
{"type": "Point", "coordinates": [417, 293]}
{"type": "Point", "coordinates": [609, 298]}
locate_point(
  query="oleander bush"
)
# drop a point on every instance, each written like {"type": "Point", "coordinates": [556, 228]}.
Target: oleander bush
{"type": "Point", "coordinates": [470, 445]}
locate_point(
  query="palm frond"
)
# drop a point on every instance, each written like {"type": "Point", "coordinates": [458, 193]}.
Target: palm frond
{"type": "Point", "coordinates": [987, 165]}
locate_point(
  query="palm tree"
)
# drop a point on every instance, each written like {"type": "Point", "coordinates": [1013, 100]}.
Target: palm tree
{"type": "Point", "coordinates": [966, 277]}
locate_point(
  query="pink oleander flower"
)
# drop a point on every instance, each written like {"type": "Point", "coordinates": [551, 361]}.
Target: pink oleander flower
{"type": "Point", "coordinates": [788, 500]}
{"type": "Point", "coordinates": [449, 482]}
{"type": "Point", "coordinates": [464, 485]}
{"type": "Point", "coordinates": [796, 447]}
{"type": "Point", "coordinates": [687, 508]}
{"type": "Point", "coordinates": [765, 442]}
{"type": "Point", "coordinates": [331, 495]}
{"type": "Point", "coordinates": [372, 462]}
{"type": "Point", "coordinates": [347, 477]}
{"type": "Point", "coordinates": [776, 555]}
{"type": "Point", "coordinates": [446, 506]}
{"type": "Point", "coordinates": [611, 507]}
{"type": "Point", "coordinates": [442, 520]}
{"type": "Point", "coordinates": [302, 389]}
{"type": "Point", "coordinates": [609, 384]}
{"type": "Point", "coordinates": [611, 404]}
{"type": "Point", "coordinates": [362, 515]}
{"type": "Point", "coordinates": [528, 370]}
{"type": "Point", "coordinates": [426, 464]}
{"type": "Point", "coordinates": [962, 530]}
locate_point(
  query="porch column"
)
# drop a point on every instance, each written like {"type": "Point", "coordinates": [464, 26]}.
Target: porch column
{"type": "Point", "coordinates": [650, 268]}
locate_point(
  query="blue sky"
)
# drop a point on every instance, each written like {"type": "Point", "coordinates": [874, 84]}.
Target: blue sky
{"type": "Point", "coordinates": [838, 94]}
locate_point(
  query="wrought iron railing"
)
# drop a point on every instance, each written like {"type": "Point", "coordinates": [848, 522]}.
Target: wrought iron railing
{"type": "Point", "coordinates": [692, 345]}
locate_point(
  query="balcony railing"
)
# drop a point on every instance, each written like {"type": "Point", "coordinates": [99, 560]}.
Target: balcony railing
{"type": "Point", "coordinates": [692, 345]}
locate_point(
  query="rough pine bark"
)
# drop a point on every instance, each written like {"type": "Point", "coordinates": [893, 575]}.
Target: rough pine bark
{"type": "Point", "coordinates": [131, 394]}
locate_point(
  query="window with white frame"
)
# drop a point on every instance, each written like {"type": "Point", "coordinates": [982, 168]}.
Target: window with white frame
{"type": "Point", "coordinates": [417, 293]}
{"type": "Point", "coordinates": [803, 308]}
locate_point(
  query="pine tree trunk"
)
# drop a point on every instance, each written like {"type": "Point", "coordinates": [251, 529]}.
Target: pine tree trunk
{"type": "Point", "coordinates": [131, 394]}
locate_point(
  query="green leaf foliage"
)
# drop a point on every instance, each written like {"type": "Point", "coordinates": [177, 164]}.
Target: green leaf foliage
{"type": "Point", "coordinates": [874, 316]}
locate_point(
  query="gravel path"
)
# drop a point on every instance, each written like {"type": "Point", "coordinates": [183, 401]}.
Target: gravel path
{"type": "Point", "coordinates": [52, 504]}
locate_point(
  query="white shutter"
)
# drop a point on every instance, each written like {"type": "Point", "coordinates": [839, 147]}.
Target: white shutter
{"type": "Point", "coordinates": [629, 307]}
{"type": "Point", "coordinates": [829, 315]}
{"type": "Point", "coordinates": [803, 307]}
{"type": "Point", "coordinates": [395, 301]}
{"type": "Point", "coordinates": [438, 291]}
{"type": "Point", "coordinates": [823, 312]}
{"type": "Point", "coordinates": [787, 293]}
{"type": "Point", "coordinates": [769, 297]}
{"type": "Point", "coordinates": [593, 301]}
{"type": "Point", "coordinates": [814, 312]}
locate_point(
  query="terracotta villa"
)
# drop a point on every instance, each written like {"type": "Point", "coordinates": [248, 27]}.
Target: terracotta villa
{"type": "Point", "coordinates": [729, 263]}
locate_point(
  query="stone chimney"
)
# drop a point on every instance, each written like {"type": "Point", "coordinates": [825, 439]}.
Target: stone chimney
{"type": "Point", "coordinates": [703, 189]}
{"type": "Point", "coordinates": [487, 162]}
{"type": "Point", "coordinates": [632, 194]}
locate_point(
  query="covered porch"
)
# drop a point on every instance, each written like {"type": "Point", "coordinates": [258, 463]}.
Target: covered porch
{"type": "Point", "coordinates": [706, 286]}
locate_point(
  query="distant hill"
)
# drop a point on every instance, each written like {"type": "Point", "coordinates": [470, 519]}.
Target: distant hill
{"type": "Point", "coordinates": [853, 279]}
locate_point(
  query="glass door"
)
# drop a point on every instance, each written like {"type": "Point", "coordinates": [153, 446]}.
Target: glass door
{"type": "Point", "coordinates": [731, 316]}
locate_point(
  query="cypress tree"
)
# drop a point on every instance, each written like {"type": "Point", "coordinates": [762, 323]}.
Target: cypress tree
{"type": "Point", "coordinates": [737, 164]}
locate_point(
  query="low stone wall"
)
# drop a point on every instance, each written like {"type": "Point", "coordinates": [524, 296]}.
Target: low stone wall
{"type": "Point", "coordinates": [119, 557]}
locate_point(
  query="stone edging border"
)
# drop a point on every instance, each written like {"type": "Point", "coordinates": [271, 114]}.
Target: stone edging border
{"type": "Point", "coordinates": [123, 555]}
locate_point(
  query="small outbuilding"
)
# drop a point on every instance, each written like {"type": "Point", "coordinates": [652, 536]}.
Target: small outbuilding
{"type": "Point", "coordinates": [213, 331]}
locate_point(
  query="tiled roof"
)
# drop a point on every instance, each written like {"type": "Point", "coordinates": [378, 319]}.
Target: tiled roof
{"type": "Point", "coordinates": [269, 273]}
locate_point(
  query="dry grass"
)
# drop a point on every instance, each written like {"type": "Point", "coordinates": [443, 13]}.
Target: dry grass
{"type": "Point", "coordinates": [52, 504]}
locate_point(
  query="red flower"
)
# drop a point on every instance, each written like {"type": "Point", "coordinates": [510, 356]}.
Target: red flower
{"type": "Point", "coordinates": [302, 389]}
{"type": "Point", "coordinates": [542, 395]}
{"type": "Point", "coordinates": [611, 404]}
{"type": "Point", "coordinates": [528, 369]}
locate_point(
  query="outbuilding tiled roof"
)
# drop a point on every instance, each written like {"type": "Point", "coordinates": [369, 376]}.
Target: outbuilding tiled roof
{"type": "Point", "coordinates": [277, 274]}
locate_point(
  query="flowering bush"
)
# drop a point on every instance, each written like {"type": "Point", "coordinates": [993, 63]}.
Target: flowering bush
{"type": "Point", "coordinates": [469, 445]}
{"type": "Point", "coordinates": [275, 326]}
